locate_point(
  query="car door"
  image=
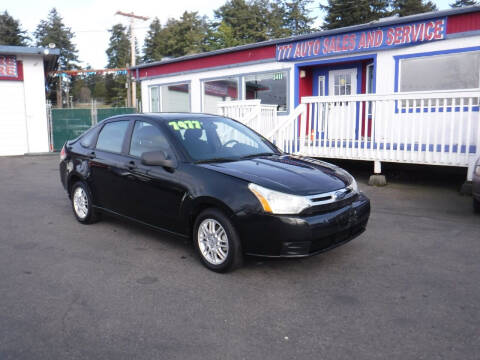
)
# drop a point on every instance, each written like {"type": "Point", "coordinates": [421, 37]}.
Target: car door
{"type": "Point", "coordinates": [154, 192]}
{"type": "Point", "coordinates": [107, 164]}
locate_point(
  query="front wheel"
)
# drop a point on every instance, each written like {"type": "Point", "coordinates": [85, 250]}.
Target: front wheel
{"type": "Point", "coordinates": [216, 241]}
{"type": "Point", "coordinates": [82, 204]}
{"type": "Point", "coordinates": [476, 206]}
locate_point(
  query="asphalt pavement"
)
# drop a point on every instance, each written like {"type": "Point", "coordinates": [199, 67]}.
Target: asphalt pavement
{"type": "Point", "coordinates": [408, 288]}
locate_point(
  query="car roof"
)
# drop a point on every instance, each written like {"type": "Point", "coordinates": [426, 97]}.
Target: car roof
{"type": "Point", "coordinates": [164, 117]}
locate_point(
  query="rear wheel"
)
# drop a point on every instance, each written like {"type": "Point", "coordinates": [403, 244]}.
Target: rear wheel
{"type": "Point", "coordinates": [82, 204]}
{"type": "Point", "coordinates": [216, 241]}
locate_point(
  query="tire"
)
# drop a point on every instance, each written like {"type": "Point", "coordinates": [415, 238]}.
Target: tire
{"type": "Point", "coordinates": [83, 210]}
{"type": "Point", "coordinates": [226, 254]}
{"type": "Point", "coordinates": [476, 206]}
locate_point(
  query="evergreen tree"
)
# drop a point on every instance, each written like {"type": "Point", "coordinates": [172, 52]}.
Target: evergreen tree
{"type": "Point", "coordinates": [341, 13]}
{"type": "Point", "coordinates": [411, 7]}
{"type": "Point", "coordinates": [187, 35]}
{"type": "Point", "coordinates": [118, 51]}
{"type": "Point", "coordinates": [10, 31]}
{"type": "Point", "coordinates": [297, 20]}
{"type": "Point", "coordinates": [154, 44]}
{"type": "Point", "coordinates": [54, 31]}
{"type": "Point", "coordinates": [245, 20]}
{"type": "Point", "coordinates": [462, 3]}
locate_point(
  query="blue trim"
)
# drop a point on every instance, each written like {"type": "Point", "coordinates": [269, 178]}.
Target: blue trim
{"type": "Point", "coordinates": [396, 146]}
{"type": "Point", "coordinates": [430, 53]}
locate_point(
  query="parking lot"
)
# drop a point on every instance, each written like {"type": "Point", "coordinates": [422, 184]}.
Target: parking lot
{"type": "Point", "coordinates": [408, 288]}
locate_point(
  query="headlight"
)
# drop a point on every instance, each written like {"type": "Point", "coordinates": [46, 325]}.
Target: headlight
{"type": "Point", "coordinates": [353, 185]}
{"type": "Point", "coordinates": [278, 203]}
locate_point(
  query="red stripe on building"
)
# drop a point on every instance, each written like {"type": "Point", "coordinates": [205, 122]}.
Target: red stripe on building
{"type": "Point", "coordinates": [236, 57]}
{"type": "Point", "coordinates": [463, 23]}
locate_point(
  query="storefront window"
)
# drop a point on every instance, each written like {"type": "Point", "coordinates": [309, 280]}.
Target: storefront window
{"type": "Point", "coordinates": [215, 91]}
{"type": "Point", "coordinates": [440, 72]}
{"type": "Point", "coordinates": [154, 100]}
{"type": "Point", "coordinates": [175, 98]}
{"type": "Point", "coordinates": [270, 88]}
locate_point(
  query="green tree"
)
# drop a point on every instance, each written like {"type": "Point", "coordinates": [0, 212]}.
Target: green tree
{"type": "Point", "coordinates": [462, 3]}
{"type": "Point", "coordinates": [11, 32]}
{"type": "Point", "coordinates": [245, 19]}
{"type": "Point", "coordinates": [411, 7]}
{"type": "Point", "coordinates": [118, 51]}
{"type": "Point", "coordinates": [53, 30]}
{"type": "Point", "coordinates": [296, 17]}
{"type": "Point", "coordinates": [186, 35]}
{"type": "Point", "coordinates": [154, 44]}
{"type": "Point", "coordinates": [341, 13]}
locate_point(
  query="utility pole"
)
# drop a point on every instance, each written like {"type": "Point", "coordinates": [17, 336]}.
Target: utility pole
{"type": "Point", "coordinates": [132, 18]}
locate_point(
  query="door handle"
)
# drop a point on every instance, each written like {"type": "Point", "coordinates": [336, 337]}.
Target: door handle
{"type": "Point", "coordinates": [131, 165]}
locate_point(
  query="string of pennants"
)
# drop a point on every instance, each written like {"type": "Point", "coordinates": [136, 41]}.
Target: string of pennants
{"type": "Point", "coordinates": [89, 72]}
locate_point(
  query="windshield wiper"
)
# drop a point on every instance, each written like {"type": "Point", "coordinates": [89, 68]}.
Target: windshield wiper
{"type": "Point", "coordinates": [251, 156]}
{"type": "Point", "coordinates": [214, 160]}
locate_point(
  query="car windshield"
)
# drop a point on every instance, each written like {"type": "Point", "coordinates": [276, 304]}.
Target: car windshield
{"type": "Point", "coordinates": [210, 139]}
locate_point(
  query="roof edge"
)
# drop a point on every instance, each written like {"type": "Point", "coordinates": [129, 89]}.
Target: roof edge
{"type": "Point", "coordinates": [27, 50]}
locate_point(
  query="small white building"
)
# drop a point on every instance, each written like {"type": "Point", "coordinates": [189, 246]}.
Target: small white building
{"type": "Point", "coordinates": [401, 89]}
{"type": "Point", "coordinates": [23, 113]}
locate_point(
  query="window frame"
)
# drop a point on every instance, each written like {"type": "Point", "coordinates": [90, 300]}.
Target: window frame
{"type": "Point", "coordinates": [160, 95]}
{"type": "Point", "coordinates": [218, 78]}
{"type": "Point", "coordinates": [398, 60]}
{"type": "Point", "coordinates": [125, 136]}
{"type": "Point", "coordinates": [159, 128]}
{"type": "Point", "coordinates": [287, 101]}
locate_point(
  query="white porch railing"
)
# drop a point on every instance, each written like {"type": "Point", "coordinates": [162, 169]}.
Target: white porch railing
{"type": "Point", "coordinates": [260, 117]}
{"type": "Point", "coordinates": [425, 128]}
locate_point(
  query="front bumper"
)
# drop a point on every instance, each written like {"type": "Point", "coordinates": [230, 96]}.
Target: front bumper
{"type": "Point", "coordinates": [299, 236]}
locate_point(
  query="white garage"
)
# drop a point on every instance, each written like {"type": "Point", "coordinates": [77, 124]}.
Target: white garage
{"type": "Point", "coordinates": [23, 113]}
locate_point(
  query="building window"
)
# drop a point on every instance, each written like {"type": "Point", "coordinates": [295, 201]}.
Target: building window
{"type": "Point", "coordinates": [440, 72]}
{"type": "Point", "coordinates": [215, 91]}
{"type": "Point", "coordinates": [173, 98]}
{"type": "Point", "coordinates": [270, 88]}
{"type": "Point", "coordinates": [154, 99]}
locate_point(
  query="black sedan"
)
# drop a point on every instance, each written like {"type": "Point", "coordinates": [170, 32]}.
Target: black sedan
{"type": "Point", "coordinates": [214, 180]}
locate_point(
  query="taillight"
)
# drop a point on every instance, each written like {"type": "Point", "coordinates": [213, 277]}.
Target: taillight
{"type": "Point", "coordinates": [63, 153]}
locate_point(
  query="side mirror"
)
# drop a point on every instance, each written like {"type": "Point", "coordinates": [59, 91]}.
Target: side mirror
{"type": "Point", "coordinates": [157, 158]}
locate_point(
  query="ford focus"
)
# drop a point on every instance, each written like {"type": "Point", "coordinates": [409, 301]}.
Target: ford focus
{"type": "Point", "coordinates": [215, 181]}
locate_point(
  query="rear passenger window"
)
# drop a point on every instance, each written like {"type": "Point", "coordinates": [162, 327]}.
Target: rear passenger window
{"type": "Point", "coordinates": [111, 136]}
{"type": "Point", "coordinates": [146, 138]}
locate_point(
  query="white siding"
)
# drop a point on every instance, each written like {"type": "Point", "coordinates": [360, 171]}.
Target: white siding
{"type": "Point", "coordinates": [13, 140]}
{"type": "Point", "coordinates": [23, 119]}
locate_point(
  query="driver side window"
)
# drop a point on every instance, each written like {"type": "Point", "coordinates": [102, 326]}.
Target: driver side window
{"type": "Point", "coordinates": [147, 138]}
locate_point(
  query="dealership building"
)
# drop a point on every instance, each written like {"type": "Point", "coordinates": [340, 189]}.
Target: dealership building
{"type": "Point", "coordinates": [23, 113]}
{"type": "Point", "coordinates": [400, 89]}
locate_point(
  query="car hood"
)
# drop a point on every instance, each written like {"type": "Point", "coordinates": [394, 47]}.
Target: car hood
{"type": "Point", "coordinates": [286, 173]}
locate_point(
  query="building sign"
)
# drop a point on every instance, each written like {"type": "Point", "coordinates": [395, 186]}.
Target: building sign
{"type": "Point", "coordinates": [368, 40]}
{"type": "Point", "coordinates": [10, 68]}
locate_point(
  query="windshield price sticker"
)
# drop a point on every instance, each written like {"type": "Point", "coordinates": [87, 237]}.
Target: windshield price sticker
{"type": "Point", "coordinates": [185, 124]}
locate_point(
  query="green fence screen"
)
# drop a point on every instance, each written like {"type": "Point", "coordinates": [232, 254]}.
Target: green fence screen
{"type": "Point", "coordinates": [68, 124]}
{"type": "Point", "coordinates": [105, 113]}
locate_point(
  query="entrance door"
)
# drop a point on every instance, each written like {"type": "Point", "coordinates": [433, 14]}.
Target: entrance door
{"type": "Point", "coordinates": [342, 115]}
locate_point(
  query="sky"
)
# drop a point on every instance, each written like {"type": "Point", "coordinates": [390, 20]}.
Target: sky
{"type": "Point", "coordinates": [90, 19]}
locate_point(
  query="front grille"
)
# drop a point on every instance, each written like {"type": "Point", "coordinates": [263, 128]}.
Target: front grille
{"type": "Point", "coordinates": [332, 206]}
{"type": "Point", "coordinates": [336, 239]}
